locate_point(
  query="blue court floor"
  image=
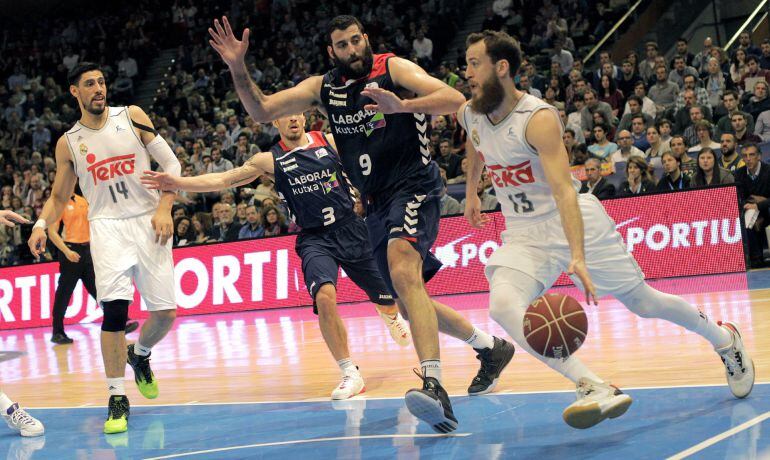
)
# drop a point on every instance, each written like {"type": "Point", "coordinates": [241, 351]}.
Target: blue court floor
{"type": "Point", "coordinates": [661, 423]}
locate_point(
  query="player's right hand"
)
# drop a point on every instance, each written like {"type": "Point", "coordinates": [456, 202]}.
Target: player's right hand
{"type": "Point", "coordinates": [224, 42]}
{"type": "Point", "coordinates": [155, 180]}
{"type": "Point", "coordinates": [578, 267]}
{"type": "Point", "coordinates": [10, 218]}
{"type": "Point", "coordinates": [72, 256]}
{"type": "Point", "coordinates": [37, 242]}
{"type": "Point", "coordinates": [473, 212]}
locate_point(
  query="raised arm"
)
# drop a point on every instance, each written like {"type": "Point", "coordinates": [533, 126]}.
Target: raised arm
{"type": "Point", "coordinates": [544, 134]}
{"type": "Point", "coordinates": [262, 108]}
{"type": "Point", "coordinates": [260, 163]}
{"type": "Point", "coordinates": [434, 97]}
{"type": "Point", "coordinates": [63, 186]}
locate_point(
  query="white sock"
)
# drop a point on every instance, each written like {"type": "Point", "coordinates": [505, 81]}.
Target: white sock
{"type": "Point", "coordinates": [651, 303]}
{"type": "Point", "coordinates": [347, 364]}
{"type": "Point", "coordinates": [431, 368]}
{"type": "Point", "coordinates": [480, 340]}
{"type": "Point", "coordinates": [141, 350]}
{"type": "Point", "coordinates": [510, 294]}
{"type": "Point", "coordinates": [5, 403]}
{"type": "Point", "coordinates": [116, 386]}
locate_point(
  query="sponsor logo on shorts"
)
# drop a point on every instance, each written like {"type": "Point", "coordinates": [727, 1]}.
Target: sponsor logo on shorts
{"type": "Point", "coordinates": [386, 297]}
{"type": "Point", "coordinates": [109, 168]}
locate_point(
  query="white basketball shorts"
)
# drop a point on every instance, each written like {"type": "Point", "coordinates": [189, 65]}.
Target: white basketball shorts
{"type": "Point", "coordinates": [542, 251]}
{"type": "Point", "coordinates": [124, 250]}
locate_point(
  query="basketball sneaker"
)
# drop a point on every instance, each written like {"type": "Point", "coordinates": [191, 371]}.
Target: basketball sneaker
{"type": "Point", "coordinates": [21, 422]}
{"type": "Point", "coordinates": [595, 402]}
{"type": "Point", "coordinates": [117, 415]}
{"type": "Point", "coordinates": [739, 367]}
{"type": "Point", "coordinates": [431, 405]}
{"type": "Point", "coordinates": [143, 375]}
{"type": "Point", "coordinates": [493, 361]}
{"type": "Point", "coordinates": [351, 385]}
{"type": "Point", "coordinates": [398, 328]}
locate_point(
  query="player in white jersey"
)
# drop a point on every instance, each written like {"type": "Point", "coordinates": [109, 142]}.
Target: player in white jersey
{"type": "Point", "coordinates": [550, 228]}
{"type": "Point", "coordinates": [16, 417]}
{"type": "Point", "coordinates": [131, 227]}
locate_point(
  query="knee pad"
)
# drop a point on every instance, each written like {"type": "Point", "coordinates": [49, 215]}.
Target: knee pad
{"type": "Point", "coordinates": [115, 315]}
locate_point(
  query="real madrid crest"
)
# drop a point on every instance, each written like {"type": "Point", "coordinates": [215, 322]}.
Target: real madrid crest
{"type": "Point", "coordinates": [475, 137]}
{"type": "Point", "coordinates": [83, 149]}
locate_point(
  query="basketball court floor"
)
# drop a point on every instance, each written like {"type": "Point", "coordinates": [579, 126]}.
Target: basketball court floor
{"type": "Point", "coordinates": [257, 385]}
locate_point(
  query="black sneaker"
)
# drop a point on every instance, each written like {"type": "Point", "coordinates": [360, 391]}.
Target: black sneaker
{"type": "Point", "coordinates": [431, 405]}
{"type": "Point", "coordinates": [143, 375]}
{"type": "Point", "coordinates": [60, 338]}
{"type": "Point", "coordinates": [493, 361]}
{"type": "Point", "coordinates": [117, 415]}
{"type": "Point", "coordinates": [131, 326]}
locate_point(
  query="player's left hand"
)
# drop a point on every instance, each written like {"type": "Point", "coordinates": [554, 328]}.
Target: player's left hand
{"type": "Point", "coordinates": [384, 101]}
{"type": "Point", "coordinates": [578, 267]}
{"type": "Point", "coordinates": [163, 226]}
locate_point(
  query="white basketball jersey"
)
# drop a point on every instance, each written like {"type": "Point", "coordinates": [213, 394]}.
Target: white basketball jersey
{"type": "Point", "coordinates": [512, 163]}
{"type": "Point", "coordinates": [109, 163]}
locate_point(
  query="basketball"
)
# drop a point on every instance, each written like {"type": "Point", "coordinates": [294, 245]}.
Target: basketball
{"type": "Point", "coordinates": [555, 325]}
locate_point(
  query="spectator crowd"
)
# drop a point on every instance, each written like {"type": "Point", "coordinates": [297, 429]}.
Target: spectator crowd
{"type": "Point", "coordinates": [634, 124]}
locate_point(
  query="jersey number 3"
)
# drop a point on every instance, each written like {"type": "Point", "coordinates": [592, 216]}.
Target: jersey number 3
{"type": "Point", "coordinates": [328, 216]}
{"type": "Point", "coordinates": [119, 188]}
{"type": "Point", "coordinates": [520, 203]}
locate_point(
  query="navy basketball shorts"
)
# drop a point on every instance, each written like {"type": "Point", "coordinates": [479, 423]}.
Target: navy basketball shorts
{"type": "Point", "coordinates": [346, 246]}
{"type": "Point", "coordinates": [411, 213]}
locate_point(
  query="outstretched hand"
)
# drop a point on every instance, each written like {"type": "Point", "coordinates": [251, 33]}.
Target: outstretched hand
{"type": "Point", "coordinates": [224, 42]}
{"type": "Point", "coordinates": [10, 219]}
{"type": "Point", "coordinates": [578, 267]}
{"type": "Point", "coordinates": [384, 101]}
{"type": "Point", "coordinates": [162, 181]}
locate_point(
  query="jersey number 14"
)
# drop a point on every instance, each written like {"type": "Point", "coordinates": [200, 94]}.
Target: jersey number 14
{"type": "Point", "coordinates": [118, 188]}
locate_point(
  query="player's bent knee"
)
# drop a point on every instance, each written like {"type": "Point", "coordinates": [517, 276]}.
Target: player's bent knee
{"type": "Point", "coordinates": [115, 315]}
{"type": "Point", "coordinates": [640, 300]}
{"type": "Point", "coordinates": [167, 316]}
{"type": "Point", "coordinates": [502, 299]}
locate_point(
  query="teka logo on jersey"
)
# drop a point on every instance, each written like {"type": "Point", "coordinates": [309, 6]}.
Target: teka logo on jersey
{"type": "Point", "coordinates": [449, 255]}
{"type": "Point", "coordinates": [109, 168]}
{"type": "Point", "coordinates": [658, 237]}
{"type": "Point", "coordinates": [511, 176]}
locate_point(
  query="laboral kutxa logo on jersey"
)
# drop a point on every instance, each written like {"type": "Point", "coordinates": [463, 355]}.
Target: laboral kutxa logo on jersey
{"type": "Point", "coordinates": [324, 180]}
{"type": "Point", "coordinates": [362, 122]}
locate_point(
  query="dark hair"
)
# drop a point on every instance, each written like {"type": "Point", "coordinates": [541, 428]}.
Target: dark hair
{"type": "Point", "coordinates": [82, 67]}
{"type": "Point", "coordinates": [612, 88]}
{"type": "Point", "coordinates": [750, 144]}
{"type": "Point", "coordinates": [636, 98]}
{"type": "Point", "coordinates": [684, 140]}
{"type": "Point", "coordinates": [678, 57]}
{"type": "Point", "coordinates": [638, 115]}
{"type": "Point", "coordinates": [681, 39]}
{"type": "Point", "coordinates": [701, 175]}
{"type": "Point", "coordinates": [678, 159]}
{"type": "Point", "coordinates": [752, 58]}
{"type": "Point", "coordinates": [640, 163]}
{"type": "Point", "coordinates": [571, 131]}
{"type": "Point", "coordinates": [731, 92]}
{"type": "Point", "coordinates": [500, 46]}
{"type": "Point", "coordinates": [342, 22]}
{"type": "Point", "coordinates": [662, 122]}
{"type": "Point", "coordinates": [640, 82]}
{"type": "Point", "coordinates": [603, 126]}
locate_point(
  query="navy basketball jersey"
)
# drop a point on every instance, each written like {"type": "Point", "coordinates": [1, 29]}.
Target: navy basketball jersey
{"type": "Point", "coordinates": [310, 180]}
{"type": "Point", "coordinates": [378, 151]}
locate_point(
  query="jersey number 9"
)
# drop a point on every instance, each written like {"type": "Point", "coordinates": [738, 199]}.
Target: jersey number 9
{"type": "Point", "coordinates": [366, 164]}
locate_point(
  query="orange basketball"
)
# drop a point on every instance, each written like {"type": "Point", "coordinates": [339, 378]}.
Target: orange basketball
{"type": "Point", "coordinates": [555, 325]}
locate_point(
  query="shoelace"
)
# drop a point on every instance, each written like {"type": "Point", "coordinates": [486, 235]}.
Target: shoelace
{"type": "Point", "coordinates": [117, 408]}
{"type": "Point", "coordinates": [143, 364]}
{"type": "Point", "coordinates": [733, 361]}
{"type": "Point", "coordinates": [21, 417]}
{"type": "Point", "coordinates": [345, 380]}
{"type": "Point", "coordinates": [399, 326]}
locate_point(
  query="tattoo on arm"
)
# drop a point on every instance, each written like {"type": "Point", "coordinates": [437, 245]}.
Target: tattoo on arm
{"type": "Point", "coordinates": [244, 81]}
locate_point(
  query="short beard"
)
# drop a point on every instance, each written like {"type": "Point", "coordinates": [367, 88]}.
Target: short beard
{"type": "Point", "coordinates": [93, 111]}
{"type": "Point", "coordinates": [367, 60]}
{"type": "Point", "coordinates": [492, 94]}
{"type": "Point", "coordinates": [293, 137]}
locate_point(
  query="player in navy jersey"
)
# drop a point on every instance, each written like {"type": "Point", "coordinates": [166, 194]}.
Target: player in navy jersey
{"type": "Point", "coordinates": [308, 176]}
{"type": "Point", "coordinates": [383, 145]}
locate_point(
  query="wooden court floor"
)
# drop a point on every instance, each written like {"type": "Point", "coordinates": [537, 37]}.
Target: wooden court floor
{"type": "Point", "coordinates": [279, 355]}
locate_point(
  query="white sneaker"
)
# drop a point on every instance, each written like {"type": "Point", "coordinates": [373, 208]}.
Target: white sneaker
{"type": "Point", "coordinates": [739, 367]}
{"type": "Point", "coordinates": [352, 384]}
{"type": "Point", "coordinates": [398, 328]}
{"type": "Point", "coordinates": [20, 421]}
{"type": "Point", "coordinates": [595, 402]}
